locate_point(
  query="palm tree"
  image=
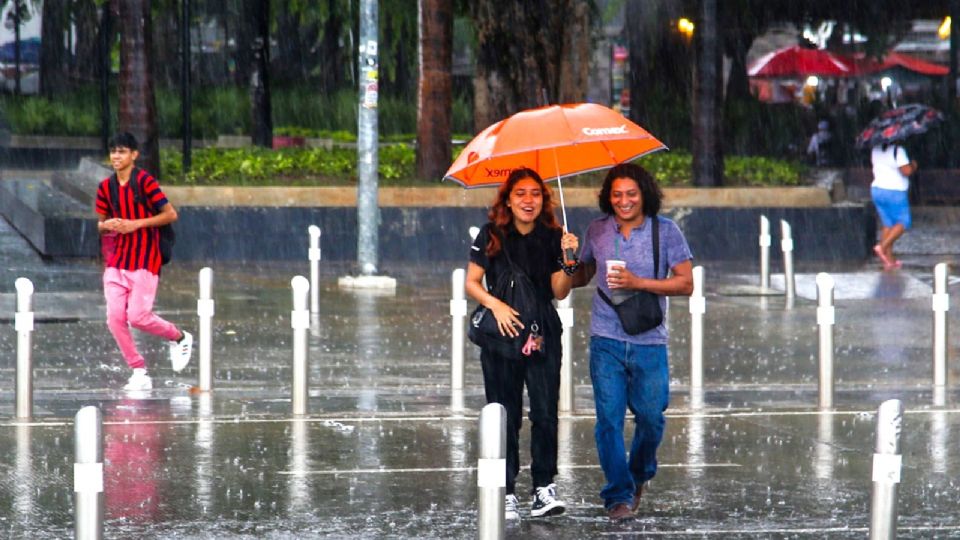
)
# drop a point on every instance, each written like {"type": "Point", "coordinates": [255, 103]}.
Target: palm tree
{"type": "Point", "coordinates": [138, 108]}
{"type": "Point", "coordinates": [434, 94]}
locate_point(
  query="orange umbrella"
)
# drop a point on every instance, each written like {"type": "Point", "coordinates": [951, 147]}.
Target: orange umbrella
{"type": "Point", "coordinates": [556, 141]}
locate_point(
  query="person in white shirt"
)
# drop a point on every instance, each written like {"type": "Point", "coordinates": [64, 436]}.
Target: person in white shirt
{"type": "Point", "coordinates": [892, 168]}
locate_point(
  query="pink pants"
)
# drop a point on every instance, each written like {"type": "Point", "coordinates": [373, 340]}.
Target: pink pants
{"type": "Point", "coordinates": [130, 295]}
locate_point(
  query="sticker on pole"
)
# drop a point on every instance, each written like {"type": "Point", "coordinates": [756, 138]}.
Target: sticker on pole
{"type": "Point", "coordinates": [886, 468]}
{"type": "Point", "coordinates": [491, 472]}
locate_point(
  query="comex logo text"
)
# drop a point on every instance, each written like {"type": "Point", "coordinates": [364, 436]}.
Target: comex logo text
{"type": "Point", "coordinates": [619, 130]}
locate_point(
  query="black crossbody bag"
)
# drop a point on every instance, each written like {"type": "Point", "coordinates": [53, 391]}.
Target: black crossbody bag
{"type": "Point", "coordinates": [516, 289]}
{"type": "Point", "coordinates": [641, 311]}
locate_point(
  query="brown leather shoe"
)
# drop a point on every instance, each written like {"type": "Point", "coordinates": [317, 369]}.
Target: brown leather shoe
{"type": "Point", "coordinates": [635, 505]}
{"type": "Point", "coordinates": [620, 512]}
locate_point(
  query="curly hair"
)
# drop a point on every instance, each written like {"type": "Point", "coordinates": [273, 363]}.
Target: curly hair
{"type": "Point", "coordinates": [649, 189]}
{"type": "Point", "coordinates": [500, 215]}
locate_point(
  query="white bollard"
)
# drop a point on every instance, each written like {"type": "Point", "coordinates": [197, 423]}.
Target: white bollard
{"type": "Point", "coordinates": [300, 322]}
{"type": "Point", "coordinates": [205, 312]}
{"type": "Point", "coordinates": [941, 305]}
{"type": "Point", "coordinates": [458, 317]}
{"type": "Point", "coordinates": [492, 472]}
{"type": "Point", "coordinates": [88, 474]}
{"type": "Point", "coordinates": [698, 306]}
{"type": "Point", "coordinates": [825, 321]}
{"type": "Point", "coordinates": [764, 253]}
{"type": "Point", "coordinates": [23, 324]}
{"type": "Point", "coordinates": [567, 402]}
{"type": "Point", "coordinates": [314, 255]}
{"type": "Point", "coordinates": [786, 244]}
{"type": "Point", "coordinates": [887, 463]}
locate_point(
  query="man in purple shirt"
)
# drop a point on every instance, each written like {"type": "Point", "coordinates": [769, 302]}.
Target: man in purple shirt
{"type": "Point", "coordinates": [630, 371]}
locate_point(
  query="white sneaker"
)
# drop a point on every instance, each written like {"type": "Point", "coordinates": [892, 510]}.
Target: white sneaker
{"type": "Point", "coordinates": [180, 351]}
{"type": "Point", "coordinates": [545, 502]}
{"type": "Point", "coordinates": [511, 508]}
{"type": "Point", "coordinates": [139, 380]}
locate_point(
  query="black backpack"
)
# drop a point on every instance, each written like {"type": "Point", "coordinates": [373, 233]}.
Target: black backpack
{"type": "Point", "coordinates": [168, 237]}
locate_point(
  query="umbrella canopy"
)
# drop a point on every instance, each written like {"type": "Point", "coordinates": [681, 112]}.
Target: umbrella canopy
{"type": "Point", "coordinates": [799, 62]}
{"type": "Point", "coordinates": [556, 141]}
{"type": "Point", "coordinates": [898, 124]}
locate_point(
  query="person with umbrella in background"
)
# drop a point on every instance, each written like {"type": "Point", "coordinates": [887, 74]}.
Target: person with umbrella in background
{"type": "Point", "coordinates": [523, 232]}
{"type": "Point", "coordinates": [892, 168]}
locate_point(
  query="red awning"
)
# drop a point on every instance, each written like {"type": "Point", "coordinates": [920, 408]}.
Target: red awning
{"type": "Point", "coordinates": [893, 59]}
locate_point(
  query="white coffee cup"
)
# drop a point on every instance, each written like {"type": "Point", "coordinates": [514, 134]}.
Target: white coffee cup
{"type": "Point", "coordinates": [614, 262]}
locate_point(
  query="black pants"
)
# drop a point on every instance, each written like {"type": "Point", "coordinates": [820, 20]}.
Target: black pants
{"type": "Point", "coordinates": [503, 381]}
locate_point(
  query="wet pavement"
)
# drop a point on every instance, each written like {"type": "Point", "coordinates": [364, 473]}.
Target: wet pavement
{"type": "Point", "coordinates": [381, 454]}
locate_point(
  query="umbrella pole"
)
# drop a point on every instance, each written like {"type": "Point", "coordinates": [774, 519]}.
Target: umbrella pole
{"type": "Point", "coordinates": [563, 207]}
{"type": "Point", "coordinates": [568, 253]}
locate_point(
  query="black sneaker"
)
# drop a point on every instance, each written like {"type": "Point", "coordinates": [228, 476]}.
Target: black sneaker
{"type": "Point", "coordinates": [545, 502]}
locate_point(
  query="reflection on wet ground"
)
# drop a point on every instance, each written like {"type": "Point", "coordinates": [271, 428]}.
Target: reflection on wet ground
{"type": "Point", "coordinates": [382, 455]}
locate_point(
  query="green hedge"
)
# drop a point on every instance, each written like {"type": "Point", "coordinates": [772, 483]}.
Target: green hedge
{"type": "Point", "coordinates": [317, 166]}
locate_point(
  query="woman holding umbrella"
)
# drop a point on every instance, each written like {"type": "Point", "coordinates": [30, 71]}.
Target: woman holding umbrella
{"type": "Point", "coordinates": [892, 168]}
{"type": "Point", "coordinates": [523, 233]}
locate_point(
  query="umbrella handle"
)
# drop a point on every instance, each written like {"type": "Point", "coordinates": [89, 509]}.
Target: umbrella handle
{"type": "Point", "coordinates": [568, 254]}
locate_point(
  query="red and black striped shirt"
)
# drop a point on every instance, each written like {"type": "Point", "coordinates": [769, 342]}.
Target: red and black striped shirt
{"type": "Point", "coordinates": [139, 249]}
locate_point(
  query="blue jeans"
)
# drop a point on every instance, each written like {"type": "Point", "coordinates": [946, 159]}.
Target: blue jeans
{"type": "Point", "coordinates": [626, 375]}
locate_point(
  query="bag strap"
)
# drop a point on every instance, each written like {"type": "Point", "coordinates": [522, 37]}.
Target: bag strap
{"type": "Point", "coordinates": [655, 237]}
{"type": "Point", "coordinates": [135, 179]}
{"type": "Point", "coordinates": [503, 249]}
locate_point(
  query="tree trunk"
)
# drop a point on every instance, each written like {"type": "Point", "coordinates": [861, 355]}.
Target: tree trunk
{"type": "Point", "coordinates": [660, 70]}
{"type": "Point", "coordinates": [86, 67]}
{"type": "Point", "coordinates": [522, 52]}
{"type": "Point", "coordinates": [707, 156]}
{"type": "Point", "coordinates": [138, 109]}
{"type": "Point", "coordinates": [289, 64]}
{"type": "Point", "coordinates": [54, 67]}
{"type": "Point", "coordinates": [434, 93]}
{"type": "Point", "coordinates": [259, 17]}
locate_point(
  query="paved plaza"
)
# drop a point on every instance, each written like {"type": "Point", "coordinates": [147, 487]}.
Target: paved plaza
{"type": "Point", "coordinates": [381, 454]}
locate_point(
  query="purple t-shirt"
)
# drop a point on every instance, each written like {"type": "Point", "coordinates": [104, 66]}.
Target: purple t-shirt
{"type": "Point", "coordinates": [603, 241]}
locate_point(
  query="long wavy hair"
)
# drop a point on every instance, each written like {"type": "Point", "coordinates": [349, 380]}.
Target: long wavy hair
{"type": "Point", "coordinates": [500, 215]}
{"type": "Point", "coordinates": [649, 189]}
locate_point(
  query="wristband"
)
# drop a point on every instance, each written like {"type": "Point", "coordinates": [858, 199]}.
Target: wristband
{"type": "Point", "coordinates": [569, 269]}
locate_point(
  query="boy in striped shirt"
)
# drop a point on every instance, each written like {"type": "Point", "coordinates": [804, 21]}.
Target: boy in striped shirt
{"type": "Point", "coordinates": [132, 271]}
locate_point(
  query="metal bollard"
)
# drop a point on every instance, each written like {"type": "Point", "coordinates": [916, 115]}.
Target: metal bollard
{"type": "Point", "coordinates": [764, 253]}
{"type": "Point", "coordinates": [300, 322]}
{"type": "Point", "coordinates": [567, 397]}
{"type": "Point", "coordinates": [458, 315]}
{"type": "Point", "coordinates": [825, 320]}
{"type": "Point", "coordinates": [23, 324]}
{"type": "Point", "coordinates": [887, 462]}
{"type": "Point", "coordinates": [205, 312]}
{"type": "Point", "coordinates": [492, 472]}
{"type": "Point", "coordinates": [786, 244]}
{"type": "Point", "coordinates": [941, 304]}
{"type": "Point", "coordinates": [698, 306]}
{"type": "Point", "coordinates": [314, 255]}
{"type": "Point", "coordinates": [88, 474]}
